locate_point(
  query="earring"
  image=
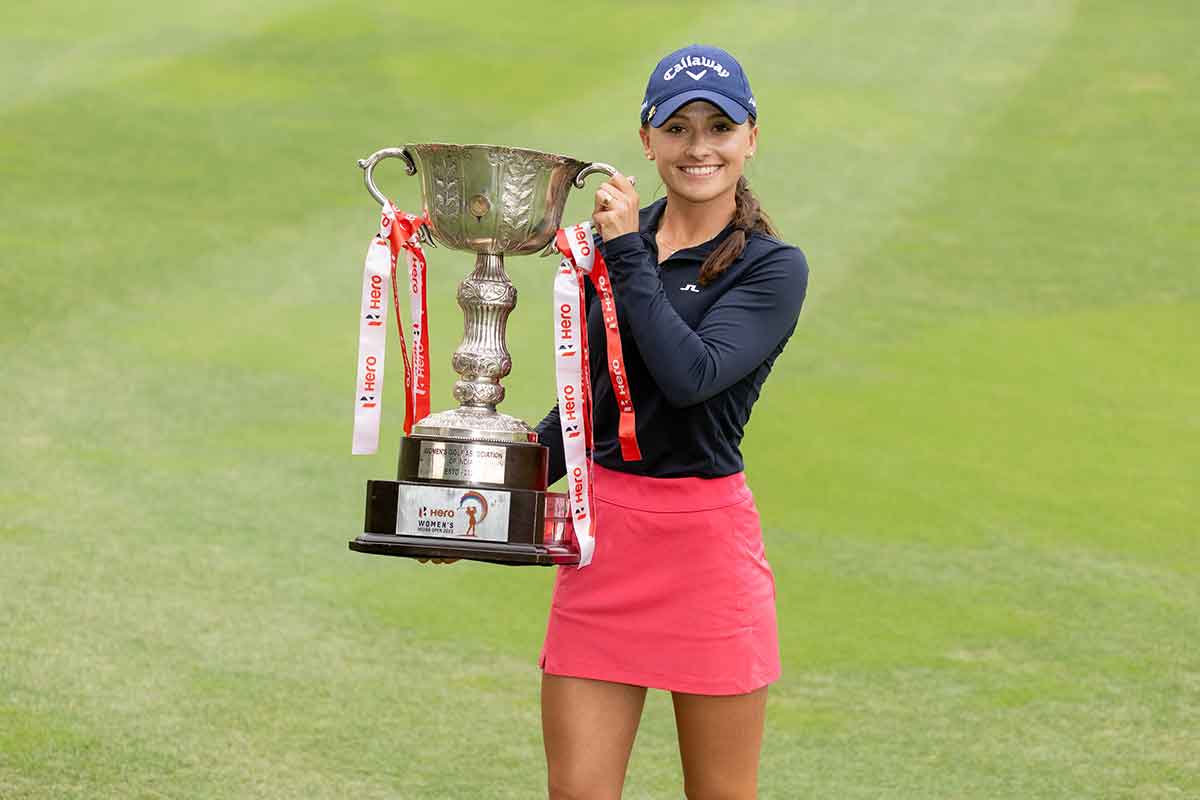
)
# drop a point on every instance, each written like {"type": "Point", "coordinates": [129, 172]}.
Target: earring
{"type": "Point", "coordinates": [650, 156]}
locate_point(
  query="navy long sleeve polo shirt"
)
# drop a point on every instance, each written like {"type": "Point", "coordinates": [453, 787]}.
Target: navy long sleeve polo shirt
{"type": "Point", "coordinates": [696, 356]}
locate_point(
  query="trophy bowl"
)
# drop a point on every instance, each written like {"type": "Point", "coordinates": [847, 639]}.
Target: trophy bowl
{"type": "Point", "coordinates": [492, 201]}
{"type": "Point", "coordinates": [487, 198]}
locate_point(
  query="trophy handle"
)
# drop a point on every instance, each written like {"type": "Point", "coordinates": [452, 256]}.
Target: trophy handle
{"type": "Point", "coordinates": [591, 169]}
{"type": "Point", "coordinates": [368, 167]}
{"type": "Point", "coordinates": [599, 166]}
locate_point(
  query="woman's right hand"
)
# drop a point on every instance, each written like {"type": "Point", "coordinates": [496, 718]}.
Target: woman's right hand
{"type": "Point", "coordinates": [616, 209]}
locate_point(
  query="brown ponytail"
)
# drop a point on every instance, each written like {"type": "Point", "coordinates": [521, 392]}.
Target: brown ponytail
{"type": "Point", "coordinates": [748, 217]}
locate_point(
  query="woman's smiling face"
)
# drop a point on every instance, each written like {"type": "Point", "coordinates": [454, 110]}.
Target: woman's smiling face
{"type": "Point", "coordinates": [699, 151]}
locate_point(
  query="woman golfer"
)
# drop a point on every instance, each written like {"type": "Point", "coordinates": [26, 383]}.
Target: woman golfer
{"type": "Point", "coordinates": [679, 595]}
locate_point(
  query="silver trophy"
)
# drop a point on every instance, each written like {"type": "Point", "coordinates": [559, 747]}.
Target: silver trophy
{"type": "Point", "coordinates": [471, 481]}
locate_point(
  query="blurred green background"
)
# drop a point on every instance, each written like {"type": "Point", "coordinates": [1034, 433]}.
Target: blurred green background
{"type": "Point", "coordinates": [977, 460]}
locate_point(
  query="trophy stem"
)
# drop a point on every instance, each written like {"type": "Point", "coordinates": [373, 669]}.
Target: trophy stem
{"type": "Point", "coordinates": [486, 298]}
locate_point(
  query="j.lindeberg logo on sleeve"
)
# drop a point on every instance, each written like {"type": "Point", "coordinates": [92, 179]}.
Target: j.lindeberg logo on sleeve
{"type": "Point", "coordinates": [693, 61]}
{"type": "Point", "coordinates": [691, 287]}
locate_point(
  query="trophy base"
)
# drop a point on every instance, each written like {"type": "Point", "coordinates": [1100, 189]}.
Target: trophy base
{"type": "Point", "coordinates": [479, 500]}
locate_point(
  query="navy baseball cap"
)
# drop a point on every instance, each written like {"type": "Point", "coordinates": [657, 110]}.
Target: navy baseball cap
{"type": "Point", "coordinates": [698, 72]}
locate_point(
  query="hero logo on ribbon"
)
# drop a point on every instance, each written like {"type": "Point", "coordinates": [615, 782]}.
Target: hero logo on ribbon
{"type": "Point", "coordinates": [570, 412]}
{"type": "Point", "coordinates": [566, 332]}
{"type": "Point", "coordinates": [369, 382]}
{"type": "Point", "coordinates": [375, 316]}
{"type": "Point", "coordinates": [607, 304]}
{"type": "Point", "coordinates": [579, 494]}
{"type": "Point", "coordinates": [617, 371]}
{"type": "Point", "coordinates": [582, 251]}
{"type": "Point", "coordinates": [419, 369]}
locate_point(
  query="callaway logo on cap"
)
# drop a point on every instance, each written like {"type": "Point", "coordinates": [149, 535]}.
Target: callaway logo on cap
{"type": "Point", "coordinates": [698, 73]}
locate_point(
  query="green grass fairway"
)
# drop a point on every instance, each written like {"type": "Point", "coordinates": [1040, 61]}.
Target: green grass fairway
{"type": "Point", "coordinates": [978, 462]}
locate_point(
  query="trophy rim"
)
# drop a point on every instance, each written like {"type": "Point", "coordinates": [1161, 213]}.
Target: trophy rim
{"type": "Point", "coordinates": [502, 148]}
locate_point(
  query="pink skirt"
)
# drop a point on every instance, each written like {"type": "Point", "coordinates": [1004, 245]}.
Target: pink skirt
{"type": "Point", "coordinates": [679, 595]}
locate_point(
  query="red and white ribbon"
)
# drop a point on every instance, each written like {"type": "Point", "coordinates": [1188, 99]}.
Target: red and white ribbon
{"type": "Point", "coordinates": [573, 375]}
{"type": "Point", "coordinates": [397, 231]}
{"type": "Point", "coordinates": [416, 386]}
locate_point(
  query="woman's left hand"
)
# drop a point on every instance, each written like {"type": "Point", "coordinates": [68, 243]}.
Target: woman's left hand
{"type": "Point", "coordinates": [616, 209]}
